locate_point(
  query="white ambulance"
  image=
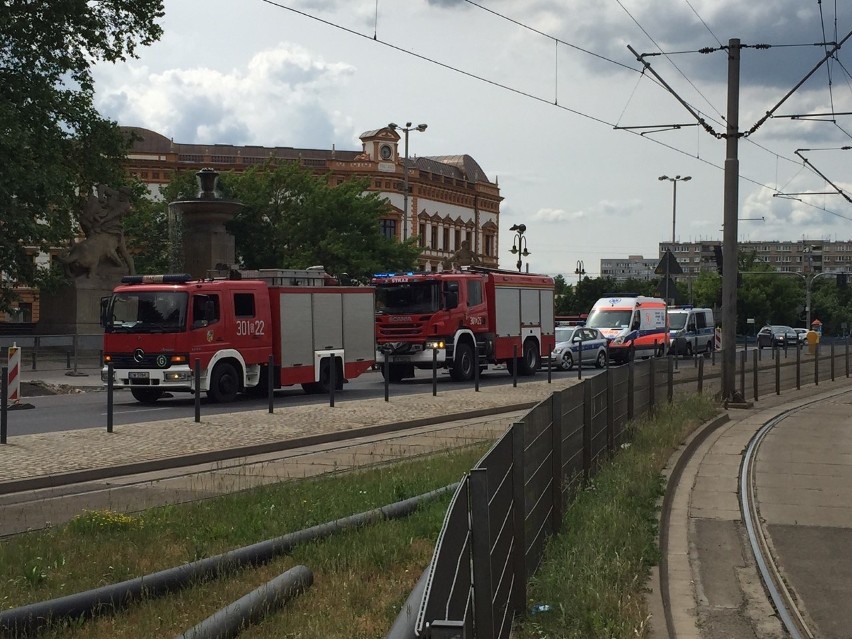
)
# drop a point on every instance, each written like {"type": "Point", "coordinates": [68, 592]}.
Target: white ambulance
{"type": "Point", "coordinates": [635, 325]}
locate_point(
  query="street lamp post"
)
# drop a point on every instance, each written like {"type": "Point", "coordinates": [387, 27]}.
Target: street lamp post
{"type": "Point", "coordinates": [519, 244]}
{"type": "Point", "coordinates": [674, 180]}
{"type": "Point", "coordinates": [580, 271]}
{"type": "Point", "coordinates": [405, 129]}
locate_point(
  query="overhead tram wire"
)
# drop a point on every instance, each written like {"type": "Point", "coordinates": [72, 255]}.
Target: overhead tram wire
{"type": "Point", "coordinates": [468, 74]}
{"type": "Point", "coordinates": [702, 22]}
{"type": "Point", "coordinates": [444, 65]}
{"type": "Point", "coordinates": [659, 48]}
{"type": "Point", "coordinates": [828, 65]}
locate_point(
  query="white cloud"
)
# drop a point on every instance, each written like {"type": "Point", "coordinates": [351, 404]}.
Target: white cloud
{"type": "Point", "coordinates": [260, 74]}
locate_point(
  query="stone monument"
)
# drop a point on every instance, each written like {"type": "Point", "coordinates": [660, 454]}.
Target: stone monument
{"type": "Point", "coordinates": [93, 266]}
{"type": "Point", "coordinates": [207, 245]}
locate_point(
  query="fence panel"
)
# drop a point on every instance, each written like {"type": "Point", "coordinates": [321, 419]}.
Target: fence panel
{"type": "Point", "coordinates": [572, 441]}
{"type": "Point", "coordinates": [641, 387]}
{"type": "Point", "coordinates": [619, 379]}
{"type": "Point", "coordinates": [449, 589]}
{"type": "Point", "coordinates": [538, 482]}
{"type": "Point", "coordinates": [599, 421]}
{"type": "Point", "coordinates": [498, 546]}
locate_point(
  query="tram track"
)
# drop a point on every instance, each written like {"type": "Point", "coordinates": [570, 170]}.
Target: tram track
{"type": "Point", "coordinates": [687, 574]}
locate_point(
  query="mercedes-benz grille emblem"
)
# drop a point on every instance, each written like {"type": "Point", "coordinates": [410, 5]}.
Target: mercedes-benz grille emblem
{"type": "Point", "coordinates": [138, 355]}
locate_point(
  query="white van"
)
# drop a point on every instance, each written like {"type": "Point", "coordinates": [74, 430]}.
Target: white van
{"type": "Point", "coordinates": [633, 325]}
{"type": "Point", "coordinates": [691, 330]}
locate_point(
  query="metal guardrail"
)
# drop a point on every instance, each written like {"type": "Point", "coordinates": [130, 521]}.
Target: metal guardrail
{"type": "Point", "coordinates": [55, 352]}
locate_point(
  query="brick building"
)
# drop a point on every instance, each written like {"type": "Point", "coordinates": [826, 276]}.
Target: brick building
{"type": "Point", "coordinates": [450, 200]}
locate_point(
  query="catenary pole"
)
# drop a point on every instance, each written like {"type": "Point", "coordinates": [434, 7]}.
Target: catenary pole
{"type": "Point", "coordinates": [729, 238]}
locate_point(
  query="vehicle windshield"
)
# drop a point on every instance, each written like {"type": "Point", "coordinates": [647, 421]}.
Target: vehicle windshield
{"type": "Point", "coordinates": [609, 318]}
{"type": "Point", "coordinates": [677, 321]}
{"type": "Point", "coordinates": [147, 312]}
{"type": "Point", "coordinates": [408, 297]}
{"type": "Point", "coordinates": [564, 334]}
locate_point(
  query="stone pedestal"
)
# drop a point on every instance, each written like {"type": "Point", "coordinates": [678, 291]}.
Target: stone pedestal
{"type": "Point", "coordinates": [206, 243]}
{"type": "Point", "coordinates": [75, 308]}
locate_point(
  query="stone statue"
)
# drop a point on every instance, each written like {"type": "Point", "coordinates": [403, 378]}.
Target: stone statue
{"type": "Point", "coordinates": [462, 257]}
{"type": "Point", "coordinates": [101, 220]}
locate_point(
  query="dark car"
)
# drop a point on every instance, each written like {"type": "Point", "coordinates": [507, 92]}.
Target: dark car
{"type": "Point", "coordinates": [781, 336]}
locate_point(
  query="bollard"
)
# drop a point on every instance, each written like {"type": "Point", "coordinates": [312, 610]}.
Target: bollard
{"type": "Point", "coordinates": [514, 366]}
{"type": "Point", "coordinates": [742, 373]}
{"type": "Point", "coordinates": [798, 369]}
{"type": "Point", "coordinates": [549, 367]}
{"type": "Point", "coordinates": [777, 376]}
{"type": "Point", "coordinates": [847, 356]}
{"type": "Point", "coordinates": [670, 377]}
{"type": "Point", "coordinates": [67, 360]}
{"type": "Point", "coordinates": [754, 359]}
{"type": "Point", "coordinates": [580, 359]}
{"type": "Point", "coordinates": [476, 370]}
{"type": "Point", "coordinates": [110, 396]}
{"type": "Point", "coordinates": [332, 379]}
{"type": "Point", "coordinates": [700, 375]}
{"type": "Point", "coordinates": [4, 404]}
{"type": "Point", "coordinates": [832, 361]}
{"type": "Point", "coordinates": [387, 377]}
{"type": "Point", "coordinates": [434, 372]}
{"type": "Point", "coordinates": [197, 390]}
{"type": "Point", "coordinates": [270, 382]}
{"type": "Point", "coordinates": [816, 365]}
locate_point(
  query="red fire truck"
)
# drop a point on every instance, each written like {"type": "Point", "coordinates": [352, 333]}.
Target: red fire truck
{"type": "Point", "coordinates": [501, 316]}
{"type": "Point", "coordinates": [156, 327]}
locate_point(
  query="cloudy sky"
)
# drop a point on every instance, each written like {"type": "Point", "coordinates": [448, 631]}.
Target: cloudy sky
{"type": "Point", "coordinates": [544, 94]}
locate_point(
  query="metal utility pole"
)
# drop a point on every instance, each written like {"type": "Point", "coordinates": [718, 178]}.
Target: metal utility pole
{"type": "Point", "coordinates": [729, 238]}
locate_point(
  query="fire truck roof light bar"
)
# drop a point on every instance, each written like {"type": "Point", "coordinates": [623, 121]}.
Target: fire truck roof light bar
{"type": "Point", "coordinates": [168, 278]}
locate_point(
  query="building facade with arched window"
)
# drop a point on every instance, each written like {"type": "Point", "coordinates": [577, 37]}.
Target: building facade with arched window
{"type": "Point", "coordinates": [450, 198]}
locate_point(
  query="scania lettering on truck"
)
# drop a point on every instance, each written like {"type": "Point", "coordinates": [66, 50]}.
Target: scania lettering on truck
{"type": "Point", "coordinates": [635, 325]}
{"type": "Point", "coordinates": [156, 327]}
{"type": "Point", "coordinates": [463, 318]}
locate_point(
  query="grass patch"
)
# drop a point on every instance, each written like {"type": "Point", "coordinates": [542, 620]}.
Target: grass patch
{"type": "Point", "coordinates": [594, 575]}
{"type": "Point", "coordinates": [363, 575]}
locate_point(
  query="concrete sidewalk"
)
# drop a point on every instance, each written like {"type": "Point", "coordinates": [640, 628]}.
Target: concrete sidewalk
{"type": "Point", "coordinates": [37, 461]}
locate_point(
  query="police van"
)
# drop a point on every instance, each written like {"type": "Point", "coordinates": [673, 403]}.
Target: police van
{"type": "Point", "coordinates": [691, 330]}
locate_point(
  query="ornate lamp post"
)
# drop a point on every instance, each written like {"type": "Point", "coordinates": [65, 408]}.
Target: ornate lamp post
{"type": "Point", "coordinates": [580, 271]}
{"type": "Point", "coordinates": [405, 129]}
{"type": "Point", "coordinates": [519, 244]}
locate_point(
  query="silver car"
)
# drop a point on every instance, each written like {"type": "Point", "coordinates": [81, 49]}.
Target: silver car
{"type": "Point", "coordinates": [569, 339]}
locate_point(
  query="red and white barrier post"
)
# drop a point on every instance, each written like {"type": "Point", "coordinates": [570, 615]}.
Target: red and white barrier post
{"type": "Point", "coordinates": [14, 388]}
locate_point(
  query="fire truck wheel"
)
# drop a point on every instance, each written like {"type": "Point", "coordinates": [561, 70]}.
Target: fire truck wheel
{"type": "Point", "coordinates": [463, 363]}
{"type": "Point", "coordinates": [530, 362]}
{"type": "Point", "coordinates": [146, 395]}
{"type": "Point", "coordinates": [224, 383]}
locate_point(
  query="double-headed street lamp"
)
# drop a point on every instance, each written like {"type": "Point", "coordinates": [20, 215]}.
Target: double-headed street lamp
{"type": "Point", "coordinates": [580, 271]}
{"type": "Point", "coordinates": [406, 129]}
{"type": "Point", "coordinates": [519, 244]}
{"type": "Point", "coordinates": [674, 180]}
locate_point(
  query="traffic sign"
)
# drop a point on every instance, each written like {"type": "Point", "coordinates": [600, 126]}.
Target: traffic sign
{"type": "Point", "coordinates": [673, 267]}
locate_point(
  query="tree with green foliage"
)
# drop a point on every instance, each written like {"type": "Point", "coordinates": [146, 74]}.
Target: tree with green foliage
{"type": "Point", "coordinates": [55, 145]}
{"type": "Point", "coordinates": [292, 218]}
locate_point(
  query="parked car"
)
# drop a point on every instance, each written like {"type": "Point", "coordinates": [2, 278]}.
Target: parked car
{"type": "Point", "coordinates": [802, 333]}
{"type": "Point", "coordinates": [568, 342]}
{"type": "Point", "coordinates": [775, 335]}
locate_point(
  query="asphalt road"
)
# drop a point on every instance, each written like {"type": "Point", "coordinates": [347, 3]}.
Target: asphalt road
{"type": "Point", "coordinates": [54, 413]}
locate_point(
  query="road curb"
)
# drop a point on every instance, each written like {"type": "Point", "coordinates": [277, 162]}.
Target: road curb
{"type": "Point", "coordinates": [106, 472]}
